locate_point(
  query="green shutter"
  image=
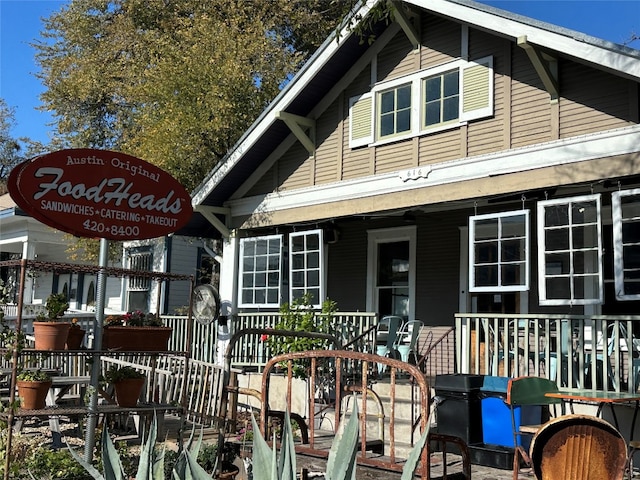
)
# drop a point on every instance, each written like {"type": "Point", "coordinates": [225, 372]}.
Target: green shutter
{"type": "Point", "coordinates": [477, 89]}
{"type": "Point", "coordinates": [360, 124]}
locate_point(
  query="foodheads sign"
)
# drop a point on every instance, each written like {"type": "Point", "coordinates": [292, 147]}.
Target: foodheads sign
{"type": "Point", "coordinates": [100, 194]}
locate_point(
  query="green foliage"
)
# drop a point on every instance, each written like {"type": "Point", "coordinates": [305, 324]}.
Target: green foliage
{"type": "Point", "coordinates": [33, 376]}
{"type": "Point", "coordinates": [56, 305]}
{"type": "Point", "coordinates": [46, 464]}
{"type": "Point", "coordinates": [10, 338]}
{"type": "Point", "coordinates": [115, 373]}
{"type": "Point", "coordinates": [299, 316]}
{"type": "Point", "coordinates": [176, 82]}
{"type": "Point", "coordinates": [9, 147]}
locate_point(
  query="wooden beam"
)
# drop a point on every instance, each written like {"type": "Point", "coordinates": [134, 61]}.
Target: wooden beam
{"type": "Point", "coordinates": [295, 124]}
{"type": "Point", "coordinates": [401, 17]}
{"type": "Point", "coordinates": [545, 65]}
{"type": "Point", "coordinates": [210, 214]}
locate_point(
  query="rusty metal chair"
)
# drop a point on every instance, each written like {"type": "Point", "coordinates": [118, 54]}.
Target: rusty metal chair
{"type": "Point", "coordinates": [578, 446]}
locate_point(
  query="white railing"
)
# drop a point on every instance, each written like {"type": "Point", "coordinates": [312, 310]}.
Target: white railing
{"type": "Point", "coordinates": [577, 351]}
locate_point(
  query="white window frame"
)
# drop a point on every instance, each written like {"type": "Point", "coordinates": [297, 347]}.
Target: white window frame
{"type": "Point", "coordinates": [306, 270]}
{"type": "Point", "coordinates": [470, 106]}
{"type": "Point", "coordinates": [543, 274]}
{"type": "Point", "coordinates": [395, 111]}
{"type": "Point", "coordinates": [499, 262]}
{"type": "Point", "coordinates": [619, 243]}
{"type": "Point", "coordinates": [441, 100]}
{"type": "Point", "coordinates": [241, 288]}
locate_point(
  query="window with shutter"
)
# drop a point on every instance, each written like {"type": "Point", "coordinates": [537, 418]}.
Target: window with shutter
{"type": "Point", "coordinates": [477, 89]}
{"type": "Point", "coordinates": [360, 120]}
{"type": "Point", "coordinates": [626, 243]}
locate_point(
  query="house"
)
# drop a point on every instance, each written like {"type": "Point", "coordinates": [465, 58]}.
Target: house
{"type": "Point", "coordinates": [467, 160]}
{"type": "Point", "coordinates": [24, 237]}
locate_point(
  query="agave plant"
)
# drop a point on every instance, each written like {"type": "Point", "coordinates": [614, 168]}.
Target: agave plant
{"type": "Point", "coordinates": [341, 463]}
{"type": "Point", "coordinates": [151, 465]}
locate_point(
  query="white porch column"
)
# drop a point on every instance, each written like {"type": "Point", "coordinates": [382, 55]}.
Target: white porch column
{"type": "Point", "coordinates": [28, 253]}
{"type": "Point", "coordinates": [229, 274]}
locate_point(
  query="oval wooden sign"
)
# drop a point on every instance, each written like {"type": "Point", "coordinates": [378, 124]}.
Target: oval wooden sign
{"type": "Point", "coordinates": [100, 194]}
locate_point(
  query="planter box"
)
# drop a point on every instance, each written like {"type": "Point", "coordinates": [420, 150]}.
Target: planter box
{"type": "Point", "coordinates": [141, 339]}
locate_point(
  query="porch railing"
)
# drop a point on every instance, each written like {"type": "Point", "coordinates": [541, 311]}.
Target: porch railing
{"type": "Point", "coordinates": [577, 351]}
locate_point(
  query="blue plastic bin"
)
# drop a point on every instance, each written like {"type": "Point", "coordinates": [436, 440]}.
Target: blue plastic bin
{"type": "Point", "coordinates": [496, 416]}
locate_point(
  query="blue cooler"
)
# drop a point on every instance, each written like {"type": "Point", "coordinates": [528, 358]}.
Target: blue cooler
{"type": "Point", "coordinates": [496, 415]}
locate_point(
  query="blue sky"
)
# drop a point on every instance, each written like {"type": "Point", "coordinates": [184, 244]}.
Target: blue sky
{"type": "Point", "coordinates": [20, 24]}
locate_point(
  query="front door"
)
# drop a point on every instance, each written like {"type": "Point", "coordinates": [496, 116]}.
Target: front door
{"type": "Point", "coordinates": [391, 275]}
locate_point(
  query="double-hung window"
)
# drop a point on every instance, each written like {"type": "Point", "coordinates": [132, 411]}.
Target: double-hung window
{"type": "Point", "coordinates": [306, 266]}
{"type": "Point", "coordinates": [626, 243]}
{"type": "Point", "coordinates": [139, 288]}
{"type": "Point", "coordinates": [437, 98]}
{"type": "Point", "coordinates": [442, 98]}
{"type": "Point", "coordinates": [570, 251]}
{"type": "Point", "coordinates": [260, 267]}
{"type": "Point", "coordinates": [499, 252]}
{"type": "Point", "coordinates": [395, 111]}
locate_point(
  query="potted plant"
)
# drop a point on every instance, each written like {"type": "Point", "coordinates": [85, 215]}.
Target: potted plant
{"type": "Point", "coordinates": [299, 316]}
{"type": "Point", "coordinates": [127, 383]}
{"type": "Point", "coordinates": [75, 335]}
{"type": "Point", "coordinates": [137, 331]}
{"type": "Point", "coordinates": [33, 386]}
{"type": "Point", "coordinates": [49, 331]}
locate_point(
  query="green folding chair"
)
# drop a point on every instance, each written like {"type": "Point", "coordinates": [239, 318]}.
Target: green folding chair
{"type": "Point", "coordinates": [522, 392]}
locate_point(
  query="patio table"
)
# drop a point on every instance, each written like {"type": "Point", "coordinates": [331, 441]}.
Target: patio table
{"type": "Point", "coordinates": [602, 398]}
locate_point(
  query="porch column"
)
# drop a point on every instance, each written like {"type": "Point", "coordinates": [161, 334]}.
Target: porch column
{"type": "Point", "coordinates": [28, 253]}
{"type": "Point", "coordinates": [229, 274]}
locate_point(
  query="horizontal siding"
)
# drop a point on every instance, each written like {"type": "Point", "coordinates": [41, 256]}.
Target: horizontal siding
{"type": "Point", "coordinates": [441, 40]}
{"type": "Point", "coordinates": [530, 105]}
{"type": "Point", "coordinates": [294, 168]}
{"type": "Point", "coordinates": [327, 139]}
{"type": "Point", "coordinates": [397, 59]}
{"type": "Point", "coordinates": [602, 103]}
{"type": "Point", "coordinates": [390, 158]}
{"type": "Point", "coordinates": [487, 135]}
{"type": "Point", "coordinates": [356, 164]}
{"type": "Point", "coordinates": [266, 183]}
{"type": "Point", "coordinates": [440, 147]}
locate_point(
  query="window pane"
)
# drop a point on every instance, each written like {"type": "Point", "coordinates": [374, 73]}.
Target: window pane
{"type": "Point", "coordinates": [313, 277]}
{"type": "Point", "coordinates": [313, 260]}
{"type": "Point", "coordinates": [557, 264]}
{"type": "Point", "coordinates": [247, 280]}
{"type": "Point", "coordinates": [486, 276]}
{"type": "Point", "coordinates": [297, 243]}
{"type": "Point", "coordinates": [486, 252]}
{"type": "Point", "coordinates": [260, 296]}
{"type": "Point", "coordinates": [434, 90]}
{"type": "Point", "coordinates": [297, 279]}
{"type": "Point", "coordinates": [404, 97]}
{"type": "Point", "coordinates": [630, 232]}
{"type": "Point", "coordinates": [387, 125]}
{"type": "Point", "coordinates": [432, 114]}
{"type": "Point", "coordinates": [585, 262]}
{"type": "Point", "coordinates": [313, 241]}
{"type": "Point", "coordinates": [630, 206]}
{"type": "Point", "coordinates": [585, 237]}
{"type": "Point", "coordinates": [404, 121]}
{"type": "Point", "coordinates": [272, 296]}
{"type": "Point", "coordinates": [273, 279]}
{"type": "Point", "coordinates": [513, 226]}
{"type": "Point", "coordinates": [586, 287]}
{"type": "Point", "coordinates": [451, 84]}
{"type": "Point", "coordinates": [584, 212]}
{"type": "Point", "coordinates": [631, 256]}
{"type": "Point", "coordinates": [486, 229]}
{"type": "Point", "coordinates": [513, 250]}
{"type": "Point", "coordinates": [261, 247]}
{"type": "Point", "coordinates": [557, 239]}
{"type": "Point", "coordinates": [556, 215]}
{"type": "Point", "coordinates": [297, 261]}
{"type": "Point", "coordinates": [247, 296]}
{"type": "Point", "coordinates": [512, 274]}
{"type": "Point", "coordinates": [387, 102]}
{"type": "Point", "coordinates": [248, 263]}
{"type": "Point", "coordinates": [451, 109]}
{"type": "Point", "coordinates": [261, 263]}
{"type": "Point", "coordinates": [558, 288]}
{"type": "Point", "coordinates": [260, 279]}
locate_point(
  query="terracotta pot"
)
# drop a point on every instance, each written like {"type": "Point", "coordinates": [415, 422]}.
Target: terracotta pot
{"type": "Point", "coordinates": [51, 335]}
{"type": "Point", "coordinates": [145, 339]}
{"type": "Point", "coordinates": [74, 338]}
{"type": "Point", "coordinates": [128, 391]}
{"type": "Point", "coordinates": [33, 395]}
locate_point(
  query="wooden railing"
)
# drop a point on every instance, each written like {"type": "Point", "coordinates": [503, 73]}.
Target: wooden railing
{"type": "Point", "coordinates": [576, 351]}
